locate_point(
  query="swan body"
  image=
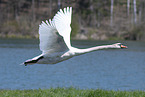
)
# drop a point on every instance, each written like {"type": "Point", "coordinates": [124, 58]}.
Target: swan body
{"type": "Point", "coordinates": [55, 43]}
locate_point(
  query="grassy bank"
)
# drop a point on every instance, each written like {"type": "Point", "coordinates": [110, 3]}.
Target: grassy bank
{"type": "Point", "coordinates": [69, 92]}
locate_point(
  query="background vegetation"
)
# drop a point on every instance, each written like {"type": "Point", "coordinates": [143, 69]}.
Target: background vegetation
{"type": "Point", "coordinates": [92, 19]}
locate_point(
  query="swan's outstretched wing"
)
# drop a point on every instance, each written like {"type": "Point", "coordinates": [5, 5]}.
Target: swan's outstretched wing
{"type": "Point", "coordinates": [62, 22]}
{"type": "Point", "coordinates": [50, 40]}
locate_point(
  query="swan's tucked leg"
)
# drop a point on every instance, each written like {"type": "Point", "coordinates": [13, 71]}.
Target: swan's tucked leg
{"type": "Point", "coordinates": [32, 61]}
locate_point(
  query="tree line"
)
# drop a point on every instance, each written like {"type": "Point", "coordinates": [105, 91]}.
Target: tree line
{"type": "Point", "coordinates": [91, 19]}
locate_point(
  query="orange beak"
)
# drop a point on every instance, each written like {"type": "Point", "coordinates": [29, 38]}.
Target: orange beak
{"type": "Point", "coordinates": [122, 46]}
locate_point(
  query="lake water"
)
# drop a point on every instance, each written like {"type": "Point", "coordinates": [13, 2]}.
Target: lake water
{"type": "Point", "coordinates": [115, 69]}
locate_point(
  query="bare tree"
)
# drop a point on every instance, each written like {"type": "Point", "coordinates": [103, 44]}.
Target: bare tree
{"type": "Point", "coordinates": [111, 12]}
{"type": "Point", "coordinates": [1, 12]}
{"type": "Point", "coordinates": [50, 7]}
{"type": "Point", "coordinates": [135, 16]}
{"type": "Point", "coordinates": [140, 13]}
{"type": "Point", "coordinates": [128, 7]}
{"type": "Point", "coordinates": [93, 21]}
{"type": "Point", "coordinates": [58, 3]}
{"type": "Point", "coordinates": [33, 11]}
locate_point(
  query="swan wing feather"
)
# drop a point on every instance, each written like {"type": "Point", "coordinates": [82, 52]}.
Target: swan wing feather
{"type": "Point", "coordinates": [50, 40]}
{"type": "Point", "coordinates": [62, 21]}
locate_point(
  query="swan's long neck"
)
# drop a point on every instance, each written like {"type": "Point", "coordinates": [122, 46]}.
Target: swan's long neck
{"type": "Point", "coordinates": [81, 51]}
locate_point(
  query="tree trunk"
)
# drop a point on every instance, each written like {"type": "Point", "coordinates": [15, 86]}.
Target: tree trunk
{"type": "Point", "coordinates": [111, 13]}
{"type": "Point", "coordinates": [93, 21]}
{"type": "Point", "coordinates": [98, 22]}
{"type": "Point", "coordinates": [134, 6]}
{"type": "Point", "coordinates": [50, 8]}
{"type": "Point", "coordinates": [16, 11]}
{"type": "Point", "coordinates": [143, 17]}
{"type": "Point", "coordinates": [128, 8]}
{"type": "Point", "coordinates": [33, 11]}
{"type": "Point", "coordinates": [98, 14]}
{"type": "Point", "coordinates": [1, 16]}
{"type": "Point", "coordinates": [58, 4]}
{"type": "Point", "coordinates": [140, 13]}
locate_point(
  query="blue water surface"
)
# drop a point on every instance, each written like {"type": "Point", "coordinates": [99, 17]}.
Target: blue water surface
{"type": "Point", "coordinates": [115, 69]}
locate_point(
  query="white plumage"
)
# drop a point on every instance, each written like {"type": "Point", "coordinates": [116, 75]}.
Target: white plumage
{"type": "Point", "coordinates": [55, 40]}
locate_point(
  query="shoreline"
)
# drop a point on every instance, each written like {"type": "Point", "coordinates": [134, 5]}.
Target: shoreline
{"type": "Point", "coordinates": [20, 36]}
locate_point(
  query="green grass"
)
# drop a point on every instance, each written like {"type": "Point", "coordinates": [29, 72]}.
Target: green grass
{"type": "Point", "coordinates": [70, 92]}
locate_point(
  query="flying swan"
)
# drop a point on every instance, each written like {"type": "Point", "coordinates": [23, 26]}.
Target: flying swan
{"type": "Point", "coordinates": [55, 43]}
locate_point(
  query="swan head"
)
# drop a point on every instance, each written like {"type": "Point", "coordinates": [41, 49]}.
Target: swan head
{"type": "Point", "coordinates": [119, 45]}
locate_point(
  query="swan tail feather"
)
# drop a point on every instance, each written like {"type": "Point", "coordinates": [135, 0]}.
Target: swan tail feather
{"type": "Point", "coordinates": [32, 61]}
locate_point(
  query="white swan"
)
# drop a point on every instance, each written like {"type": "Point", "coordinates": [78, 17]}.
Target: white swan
{"type": "Point", "coordinates": [55, 40]}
